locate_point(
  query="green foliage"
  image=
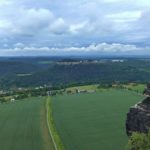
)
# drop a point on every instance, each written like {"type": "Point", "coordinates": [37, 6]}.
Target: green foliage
{"type": "Point", "coordinates": [139, 141]}
{"type": "Point", "coordinates": [105, 86]}
{"type": "Point", "coordinates": [35, 74]}
{"type": "Point", "coordinates": [2, 100]}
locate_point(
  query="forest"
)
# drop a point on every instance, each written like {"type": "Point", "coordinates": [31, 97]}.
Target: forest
{"type": "Point", "coordinates": [33, 72]}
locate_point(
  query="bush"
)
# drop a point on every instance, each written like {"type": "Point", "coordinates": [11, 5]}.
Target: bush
{"type": "Point", "coordinates": [139, 141]}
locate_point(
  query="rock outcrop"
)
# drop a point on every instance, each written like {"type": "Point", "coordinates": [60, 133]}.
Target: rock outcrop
{"type": "Point", "coordinates": [138, 118]}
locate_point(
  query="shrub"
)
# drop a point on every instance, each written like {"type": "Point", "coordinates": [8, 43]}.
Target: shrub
{"type": "Point", "coordinates": [139, 141]}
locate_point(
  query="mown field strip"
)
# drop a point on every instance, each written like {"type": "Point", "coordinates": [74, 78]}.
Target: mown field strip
{"type": "Point", "coordinates": [23, 125]}
{"type": "Point", "coordinates": [51, 126]}
{"type": "Point", "coordinates": [93, 121]}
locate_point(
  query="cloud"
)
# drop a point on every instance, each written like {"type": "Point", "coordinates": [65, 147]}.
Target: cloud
{"type": "Point", "coordinates": [35, 19]}
{"type": "Point", "coordinates": [29, 21]}
{"type": "Point", "coordinates": [70, 23]}
{"type": "Point", "coordinates": [123, 17]}
{"type": "Point", "coordinates": [101, 48]}
{"type": "Point", "coordinates": [19, 45]}
{"type": "Point", "coordinates": [4, 2]}
{"type": "Point", "coordinates": [58, 26]}
{"type": "Point", "coordinates": [80, 27]}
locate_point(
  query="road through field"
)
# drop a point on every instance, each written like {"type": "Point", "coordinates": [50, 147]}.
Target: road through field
{"type": "Point", "coordinates": [23, 126]}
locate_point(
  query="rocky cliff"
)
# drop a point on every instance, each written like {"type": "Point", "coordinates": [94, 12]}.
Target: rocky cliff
{"type": "Point", "coordinates": [138, 118]}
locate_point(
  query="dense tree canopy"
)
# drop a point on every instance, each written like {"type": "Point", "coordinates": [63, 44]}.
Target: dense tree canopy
{"type": "Point", "coordinates": [37, 72]}
{"type": "Point", "coordinates": [139, 141]}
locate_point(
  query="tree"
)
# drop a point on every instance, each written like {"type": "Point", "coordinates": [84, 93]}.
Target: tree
{"type": "Point", "coordinates": [139, 141]}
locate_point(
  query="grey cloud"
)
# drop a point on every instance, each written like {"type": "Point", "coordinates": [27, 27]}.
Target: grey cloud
{"type": "Point", "coordinates": [79, 22]}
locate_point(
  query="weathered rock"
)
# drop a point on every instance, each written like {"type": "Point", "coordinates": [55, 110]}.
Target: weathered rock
{"type": "Point", "coordinates": [147, 90]}
{"type": "Point", "coordinates": [138, 118]}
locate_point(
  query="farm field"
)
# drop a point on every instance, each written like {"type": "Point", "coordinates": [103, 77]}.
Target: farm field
{"type": "Point", "coordinates": [23, 125]}
{"type": "Point", "coordinates": [138, 87]}
{"type": "Point", "coordinates": [93, 121]}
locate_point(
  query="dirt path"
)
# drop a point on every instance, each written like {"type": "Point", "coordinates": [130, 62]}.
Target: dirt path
{"type": "Point", "coordinates": [48, 142]}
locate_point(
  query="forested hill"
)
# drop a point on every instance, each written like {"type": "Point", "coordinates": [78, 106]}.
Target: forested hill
{"type": "Point", "coordinates": [37, 72]}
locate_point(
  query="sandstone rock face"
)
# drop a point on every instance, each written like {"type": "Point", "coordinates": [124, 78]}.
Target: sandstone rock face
{"type": "Point", "coordinates": [138, 118]}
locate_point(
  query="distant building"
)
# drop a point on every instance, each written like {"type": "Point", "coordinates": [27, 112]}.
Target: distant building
{"type": "Point", "coordinates": [49, 93]}
{"type": "Point", "coordinates": [91, 91]}
{"type": "Point", "coordinates": [117, 60]}
{"type": "Point", "coordinates": [12, 100]}
{"type": "Point", "coordinates": [80, 91]}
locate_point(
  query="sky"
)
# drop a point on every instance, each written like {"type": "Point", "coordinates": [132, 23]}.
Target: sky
{"type": "Point", "coordinates": [81, 27]}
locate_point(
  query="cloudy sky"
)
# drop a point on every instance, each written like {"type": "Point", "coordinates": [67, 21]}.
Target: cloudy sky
{"type": "Point", "coordinates": [67, 27]}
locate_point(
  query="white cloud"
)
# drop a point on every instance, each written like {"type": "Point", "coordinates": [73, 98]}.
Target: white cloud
{"type": "Point", "coordinates": [80, 27]}
{"type": "Point", "coordinates": [32, 21]}
{"type": "Point", "coordinates": [58, 26]}
{"type": "Point", "coordinates": [145, 3]}
{"type": "Point", "coordinates": [5, 26]}
{"type": "Point", "coordinates": [123, 17]}
{"type": "Point", "coordinates": [49, 23]}
{"type": "Point", "coordinates": [112, 1]}
{"type": "Point", "coordinates": [104, 48]}
{"type": "Point", "coordinates": [19, 45]}
{"type": "Point", "coordinates": [5, 2]}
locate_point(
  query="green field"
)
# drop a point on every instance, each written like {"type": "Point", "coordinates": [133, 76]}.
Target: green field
{"type": "Point", "coordinates": [137, 87]}
{"type": "Point", "coordinates": [93, 121]}
{"type": "Point", "coordinates": [23, 125]}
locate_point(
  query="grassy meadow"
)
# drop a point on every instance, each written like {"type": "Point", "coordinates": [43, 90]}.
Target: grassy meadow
{"type": "Point", "coordinates": [93, 121]}
{"type": "Point", "coordinates": [81, 121]}
{"type": "Point", "coordinates": [23, 125]}
{"type": "Point", "coordinates": [135, 87]}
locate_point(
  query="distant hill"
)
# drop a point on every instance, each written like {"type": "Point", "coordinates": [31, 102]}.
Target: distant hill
{"type": "Point", "coordinates": [33, 72]}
